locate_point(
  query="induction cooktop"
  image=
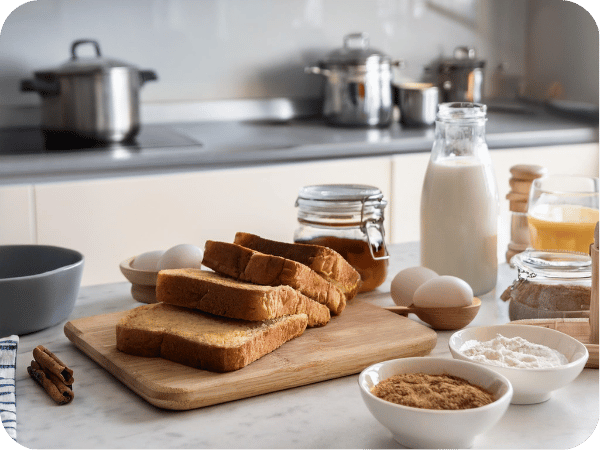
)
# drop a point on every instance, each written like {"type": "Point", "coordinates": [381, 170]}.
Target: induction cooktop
{"type": "Point", "coordinates": [32, 141]}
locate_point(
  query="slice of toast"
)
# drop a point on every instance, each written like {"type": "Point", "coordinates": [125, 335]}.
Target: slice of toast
{"type": "Point", "coordinates": [202, 340]}
{"type": "Point", "coordinates": [223, 296]}
{"type": "Point", "coordinates": [249, 265]}
{"type": "Point", "coordinates": [325, 261]}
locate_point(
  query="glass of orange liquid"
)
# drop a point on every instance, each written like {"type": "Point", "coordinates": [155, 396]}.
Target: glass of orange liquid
{"type": "Point", "coordinates": [562, 213]}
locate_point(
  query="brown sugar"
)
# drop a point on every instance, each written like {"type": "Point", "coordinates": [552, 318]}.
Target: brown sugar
{"type": "Point", "coordinates": [552, 297]}
{"type": "Point", "coordinates": [421, 390]}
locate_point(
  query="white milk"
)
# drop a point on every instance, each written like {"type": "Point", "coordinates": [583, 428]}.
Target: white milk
{"type": "Point", "coordinates": [459, 222]}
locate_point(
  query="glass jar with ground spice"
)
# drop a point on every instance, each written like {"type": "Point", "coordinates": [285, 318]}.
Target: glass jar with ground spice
{"type": "Point", "coordinates": [349, 219]}
{"type": "Point", "coordinates": [550, 285]}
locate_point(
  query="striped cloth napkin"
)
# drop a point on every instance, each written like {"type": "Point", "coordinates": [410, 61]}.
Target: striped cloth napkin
{"type": "Point", "coordinates": [8, 404]}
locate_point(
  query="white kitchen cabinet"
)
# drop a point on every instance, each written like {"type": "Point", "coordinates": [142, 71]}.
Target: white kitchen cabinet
{"type": "Point", "coordinates": [17, 215]}
{"type": "Point", "coordinates": [109, 220]}
{"type": "Point", "coordinates": [408, 172]}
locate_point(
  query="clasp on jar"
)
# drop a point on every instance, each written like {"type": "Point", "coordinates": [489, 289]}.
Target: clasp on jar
{"type": "Point", "coordinates": [373, 223]}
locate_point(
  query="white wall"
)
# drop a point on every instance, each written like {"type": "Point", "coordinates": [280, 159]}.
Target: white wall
{"type": "Point", "coordinates": [207, 50]}
{"type": "Point", "coordinates": [232, 49]}
{"type": "Point", "coordinates": [562, 48]}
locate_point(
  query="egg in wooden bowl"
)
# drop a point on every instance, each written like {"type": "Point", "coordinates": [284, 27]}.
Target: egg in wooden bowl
{"type": "Point", "coordinates": [142, 270]}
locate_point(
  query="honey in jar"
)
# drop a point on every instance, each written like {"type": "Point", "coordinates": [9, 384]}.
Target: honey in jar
{"type": "Point", "coordinates": [349, 220]}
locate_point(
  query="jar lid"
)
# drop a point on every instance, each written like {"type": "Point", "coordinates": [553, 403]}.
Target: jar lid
{"type": "Point", "coordinates": [341, 199]}
{"type": "Point", "coordinates": [339, 192]}
{"type": "Point", "coordinates": [356, 52]}
{"type": "Point", "coordinates": [553, 265]}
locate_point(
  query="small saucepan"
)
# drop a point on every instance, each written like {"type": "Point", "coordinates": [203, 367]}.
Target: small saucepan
{"type": "Point", "coordinates": [418, 103]}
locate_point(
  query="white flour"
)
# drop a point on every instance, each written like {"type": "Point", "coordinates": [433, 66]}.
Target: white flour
{"type": "Point", "coordinates": [512, 352]}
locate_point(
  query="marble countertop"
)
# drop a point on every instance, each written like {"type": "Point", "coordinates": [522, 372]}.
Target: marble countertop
{"type": "Point", "coordinates": [330, 414]}
{"type": "Point", "coordinates": [238, 143]}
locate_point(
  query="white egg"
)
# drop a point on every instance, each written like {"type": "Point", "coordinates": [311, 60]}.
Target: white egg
{"type": "Point", "coordinates": [183, 256]}
{"type": "Point", "coordinates": [443, 291]}
{"type": "Point", "coordinates": [406, 282]}
{"type": "Point", "coordinates": [147, 261]}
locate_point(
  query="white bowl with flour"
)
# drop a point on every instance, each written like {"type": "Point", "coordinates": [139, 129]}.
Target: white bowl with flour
{"type": "Point", "coordinates": [536, 360]}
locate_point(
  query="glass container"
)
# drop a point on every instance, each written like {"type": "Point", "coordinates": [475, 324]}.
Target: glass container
{"type": "Point", "coordinates": [550, 285]}
{"type": "Point", "coordinates": [459, 201]}
{"type": "Point", "coordinates": [349, 219]}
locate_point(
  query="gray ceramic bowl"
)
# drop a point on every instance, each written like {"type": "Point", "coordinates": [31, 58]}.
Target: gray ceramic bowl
{"type": "Point", "coordinates": [38, 286]}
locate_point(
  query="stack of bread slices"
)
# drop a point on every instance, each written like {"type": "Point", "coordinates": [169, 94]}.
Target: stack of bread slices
{"type": "Point", "coordinates": [259, 294]}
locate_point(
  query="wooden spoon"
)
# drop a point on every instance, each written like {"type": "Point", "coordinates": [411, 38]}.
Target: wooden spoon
{"type": "Point", "coordinates": [442, 318]}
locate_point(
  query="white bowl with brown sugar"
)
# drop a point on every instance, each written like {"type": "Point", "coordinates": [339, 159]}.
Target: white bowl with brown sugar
{"type": "Point", "coordinates": [536, 360]}
{"type": "Point", "coordinates": [413, 396]}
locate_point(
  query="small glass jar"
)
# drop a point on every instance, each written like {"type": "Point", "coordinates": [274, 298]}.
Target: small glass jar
{"type": "Point", "coordinates": [347, 218]}
{"type": "Point", "coordinates": [550, 285]}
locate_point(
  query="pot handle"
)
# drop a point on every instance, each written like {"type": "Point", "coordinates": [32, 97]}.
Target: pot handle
{"type": "Point", "coordinates": [147, 75]}
{"type": "Point", "coordinates": [45, 88]}
{"type": "Point", "coordinates": [316, 70]}
{"type": "Point", "coordinates": [79, 42]}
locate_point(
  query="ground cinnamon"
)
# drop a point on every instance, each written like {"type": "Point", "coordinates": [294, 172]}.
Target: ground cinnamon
{"type": "Point", "coordinates": [421, 390]}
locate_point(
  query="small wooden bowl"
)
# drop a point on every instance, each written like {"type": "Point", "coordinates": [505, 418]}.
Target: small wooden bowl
{"type": "Point", "coordinates": [143, 282]}
{"type": "Point", "coordinates": [441, 318]}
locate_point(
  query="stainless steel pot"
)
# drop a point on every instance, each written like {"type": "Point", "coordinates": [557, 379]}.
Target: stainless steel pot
{"type": "Point", "coordinates": [90, 97]}
{"type": "Point", "coordinates": [358, 88]}
{"type": "Point", "coordinates": [461, 78]}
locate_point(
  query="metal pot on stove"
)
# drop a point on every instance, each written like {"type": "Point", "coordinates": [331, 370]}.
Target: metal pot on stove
{"type": "Point", "coordinates": [461, 78]}
{"type": "Point", "coordinates": [92, 98]}
{"type": "Point", "coordinates": [358, 89]}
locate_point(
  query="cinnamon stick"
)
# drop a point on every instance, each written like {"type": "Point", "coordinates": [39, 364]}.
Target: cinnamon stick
{"type": "Point", "coordinates": [53, 385]}
{"type": "Point", "coordinates": [51, 364]}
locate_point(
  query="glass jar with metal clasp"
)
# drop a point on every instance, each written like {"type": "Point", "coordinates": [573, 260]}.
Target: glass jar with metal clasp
{"type": "Point", "coordinates": [348, 218]}
{"type": "Point", "coordinates": [550, 285]}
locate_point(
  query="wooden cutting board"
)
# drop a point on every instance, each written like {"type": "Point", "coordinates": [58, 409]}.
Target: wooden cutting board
{"type": "Point", "coordinates": [362, 335]}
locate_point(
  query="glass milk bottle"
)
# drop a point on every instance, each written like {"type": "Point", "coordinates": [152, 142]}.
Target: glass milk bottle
{"type": "Point", "coordinates": [459, 202]}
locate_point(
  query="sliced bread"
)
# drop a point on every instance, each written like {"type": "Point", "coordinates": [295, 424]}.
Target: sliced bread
{"type": "Point", "coordinates": [249, 265]}
{"type": "Point", "coordinates": [325, 261]}
{"type": "Point", "coordinates": [223, 296]}
{"type": "Point", "coordinates": [202, 340]}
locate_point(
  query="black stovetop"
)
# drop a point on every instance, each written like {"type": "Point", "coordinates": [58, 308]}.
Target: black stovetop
{"type": "Point", "coordinates": [32, 141]}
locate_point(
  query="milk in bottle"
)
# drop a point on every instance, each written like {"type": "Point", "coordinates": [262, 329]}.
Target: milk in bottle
{"type": "Point", "coordinates": [459, 203]}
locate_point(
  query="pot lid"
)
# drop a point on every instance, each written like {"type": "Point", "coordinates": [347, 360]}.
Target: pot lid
{"type": "Point", "coordinates": [356, 52]}
{"type": "Point", "coordinates": [86, 65]}
{"type": "Point", "coordinates": [464, 57]}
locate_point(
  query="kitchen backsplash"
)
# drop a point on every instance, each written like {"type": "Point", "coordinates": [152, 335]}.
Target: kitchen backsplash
{"type": "Point", "coordinates": [207, 50]}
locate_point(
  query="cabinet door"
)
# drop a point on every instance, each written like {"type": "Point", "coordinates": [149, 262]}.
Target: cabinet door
{"type": "Point", "coordinates": [408, 173]}
{"type": "Point", "coordinates": [109, 220]}
{"type": "Point", "coordinates": [17, 215]}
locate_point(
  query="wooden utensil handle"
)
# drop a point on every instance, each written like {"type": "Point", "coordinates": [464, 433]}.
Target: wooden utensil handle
{"type": "Point", "coordinates": [401, 310]}
{"type": "Point", "coordinates": [595, 293]}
